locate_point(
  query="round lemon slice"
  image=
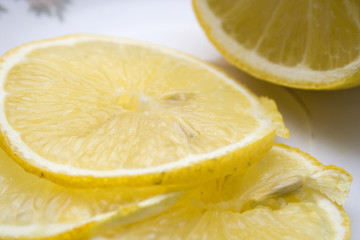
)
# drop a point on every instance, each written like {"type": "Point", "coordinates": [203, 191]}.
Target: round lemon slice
{"type": "Point", "coordinates": [305, 44]}
{"type": "Point", "coordinates": [286, 195]}
{"type": "Point", "coordinates": [35, 208]}
{"type": "Point", "coordinates": [89, 110]}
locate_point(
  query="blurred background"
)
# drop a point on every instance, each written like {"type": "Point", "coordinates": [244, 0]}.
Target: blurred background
{"type": "Point", "coordinates": [323, 123]}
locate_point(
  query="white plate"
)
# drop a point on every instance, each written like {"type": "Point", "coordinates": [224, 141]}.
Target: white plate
{"type": "Point", "coordinates": [324, 124]}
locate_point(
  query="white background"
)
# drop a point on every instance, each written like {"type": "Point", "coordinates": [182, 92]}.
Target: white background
{"type": "Point", "coordinates": [323, 123]}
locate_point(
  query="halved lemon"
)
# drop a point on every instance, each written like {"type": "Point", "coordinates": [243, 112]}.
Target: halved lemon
{"type": "Point", "coordinates": [89, 110]}
{"type": "Point", "coordinates": [303, 44]}
{"type": "Point", "coordinates": [286, 195]}
{"type": "Point", "coordinates": [35, 208]}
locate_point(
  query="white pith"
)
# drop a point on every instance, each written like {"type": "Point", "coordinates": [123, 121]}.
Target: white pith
{"type": "Point", "coordinates": [21, 148]}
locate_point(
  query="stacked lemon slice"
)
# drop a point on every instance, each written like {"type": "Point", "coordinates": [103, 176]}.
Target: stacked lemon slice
{"type": "Point", "coordinates": [286, 195]}
{"type": "Point", "coordinates": [123, 131]}
{"type": "Point", "coordinates": [99, 111]}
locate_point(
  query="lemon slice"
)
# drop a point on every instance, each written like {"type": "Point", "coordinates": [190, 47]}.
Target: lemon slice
{"type": "Point", "coordinates": [88, 110]}
{"type": "Point", "coordinates": [306, 44]}
{"type": "Point", "coordinates": [34, 208]}
{"type": "Point", "coordinates": [286, 195]}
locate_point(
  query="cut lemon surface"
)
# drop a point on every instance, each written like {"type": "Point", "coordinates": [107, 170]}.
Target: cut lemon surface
{"type": "Point", "coordinates": [286, 195]}
{"type": "Point", "coordinates": [89, 110]}
{"type": "Point", "coordinates": [35, 208]}
{"type": "Point", "coordinates": [308, 44]}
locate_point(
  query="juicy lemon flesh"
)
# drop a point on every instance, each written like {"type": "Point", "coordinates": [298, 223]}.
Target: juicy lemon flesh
{"type": "Point", "coordinates": [317, 35]}
{"type": "Point", "coordinates": [27, 200]}
{"type": "Point", "coordinates": [272, 200]}
{"type": "Point", "coordinates": [133, 106]}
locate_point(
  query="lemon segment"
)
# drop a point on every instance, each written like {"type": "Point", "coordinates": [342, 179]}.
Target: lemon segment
{"type": "Point", "coordinates": [308, 44]}
{"type": "Point", "coordinates": [275, 199]}
{"type": "Point", "coordinates": [35, 208]}
{"type": "Point", "coordinates": [87, 110]}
